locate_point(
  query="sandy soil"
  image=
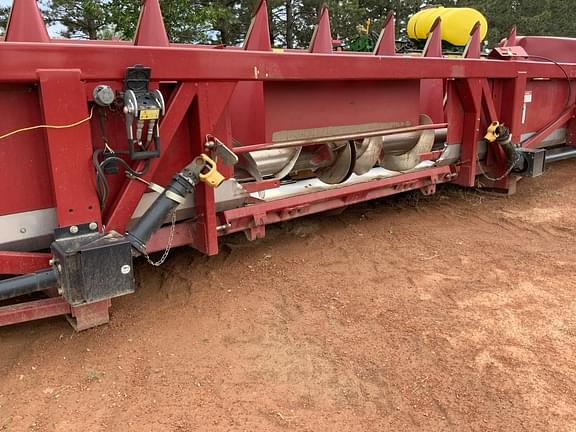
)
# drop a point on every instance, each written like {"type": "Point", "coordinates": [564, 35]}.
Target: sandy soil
{"type": "Point", "coordinates": [450, 313]}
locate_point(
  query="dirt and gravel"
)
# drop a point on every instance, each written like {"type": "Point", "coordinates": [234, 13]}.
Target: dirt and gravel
{"type": "Point", "coordinates": [450, 313]}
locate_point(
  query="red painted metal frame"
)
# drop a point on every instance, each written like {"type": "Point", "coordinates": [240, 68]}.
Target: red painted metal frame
{"type": "Point", "coordinates": [23, 262]}
{"type": "Point", "coordinates": [22, 61]}
{"type": "Point", "coordinates": [209, 90]}
{"type": "Point", "coordinates": [33, 310]}
{"type": "Point", "coordinates": [130, 195]}
{"type": "Point", "coordinates": [70, 150]}
{"type": "Point", "coordinates": [255, 217]}
{"type": "Point", "coordinates": [252, 218]}
{"type": "Point", "coordinates": [562, 119]}
{"type": "Point", "coordinates": [81, 318]}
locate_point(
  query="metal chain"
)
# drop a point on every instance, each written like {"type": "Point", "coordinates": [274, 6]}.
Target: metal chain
{"type": "Point", "coordinates": [168, 246]}
{"type": "Point", "coordinates": [506, 173]}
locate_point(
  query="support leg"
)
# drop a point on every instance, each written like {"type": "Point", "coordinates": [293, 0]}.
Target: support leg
{"type": "Point", "coordinates": [91, 315]}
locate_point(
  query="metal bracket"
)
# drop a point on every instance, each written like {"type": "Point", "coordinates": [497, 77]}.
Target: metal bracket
{"type": "Point", "coordinates": [428, 190]}
{"type": "Point", "coordinates": [258, 229]}
{"type": "Point", "coordinates": [508, 53]}
{"type": "Point", "coordinates": [219, 150]}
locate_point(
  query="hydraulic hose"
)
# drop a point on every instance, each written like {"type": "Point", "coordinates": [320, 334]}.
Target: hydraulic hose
{"type": "Point", "coordinates": [515, 160]}
{"type": "Point", "coordinates": [28, 284]}
{"type": "Point", "coordinates": [202, 168]}
{"type": "Point", "coordinates": [154, 217]}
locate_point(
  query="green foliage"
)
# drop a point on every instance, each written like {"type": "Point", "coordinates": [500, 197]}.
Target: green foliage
{"type": "Point", "coordinates": [123, 17]}
{"type": "Point", "coordinates": [199, 21]}
{"type": "Point", "coordinates": [80, 19]}
{"type": "Point", "coordinates": [348, 14]}
{"type": "Point", "coordinates": [292, 22]}
{"type": "Point", "coordinates": [532, 17]}
{"type": "Point", "coordinates": [295, 29]}
{"type": "Point", "coordinates": [4, 13]}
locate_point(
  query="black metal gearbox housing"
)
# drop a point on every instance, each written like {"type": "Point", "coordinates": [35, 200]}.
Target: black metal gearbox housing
{"type": "Point", "coordinates": [93, 266]}
{"type": "Point", "coordinates": [534, 162]}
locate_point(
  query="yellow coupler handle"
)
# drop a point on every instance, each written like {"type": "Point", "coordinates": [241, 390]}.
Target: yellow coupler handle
{"type": "Point", "coordinates": [212, 178]}
{"type": "Point", "coordinates": [493, 132]}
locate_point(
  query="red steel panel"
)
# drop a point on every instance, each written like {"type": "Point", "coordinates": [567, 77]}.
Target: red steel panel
{"type": "Point", "coordinates": [543, 102]}
{"type": "Point", "coordinates": [70, 150]}
{"type": "Point", "coordinates": [471, 96]}
{"type": "Point", "coordinates": [512, 108]}
{"type": "Point", "coordinates": [21, 61]}
{"type": "Point", "coordinates": [24, 156]}
{"type": "Point", "coordinates": [16, 263]}
{"type": "Point", "coordinates": [560, 49]}
{"type": "Point", "coordinates": [490, 111]}
{"type": "Point", "coordinates": [339, 103]}
{"type": "Point", "coordinates": [562, 120]}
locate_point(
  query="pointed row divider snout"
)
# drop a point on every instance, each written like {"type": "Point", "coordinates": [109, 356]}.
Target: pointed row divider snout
{"type": "Point", "coordinates": [473, 48]}
{"type": "Point", "coordinates": [150, 30]}
{"type": "Point", "coordinates": [321, 42]}
{"type": "Point", "coordinates": [258, 36]}
{"type": "Point", "coordinates": [512, 39]}
{"type": "Point", "coordinates": [433, 47]}
{"type": "Point", "coordinates": [432, 90]}
{"type": "Point", "coordinates": [247, 102]}
{"type": "Point", "coordinates": [386, 45]}
{"type": "Point", "coordinates": [26, 23]}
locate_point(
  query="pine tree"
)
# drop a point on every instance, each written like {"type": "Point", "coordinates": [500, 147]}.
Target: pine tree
{"type": "Point", "coordinates": [4, 13]}
{"type": "Point", "coordinates": [80, 19]}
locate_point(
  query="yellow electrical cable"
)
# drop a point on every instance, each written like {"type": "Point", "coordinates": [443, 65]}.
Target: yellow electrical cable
{"type": "Point", "coordinates": [44, 126]}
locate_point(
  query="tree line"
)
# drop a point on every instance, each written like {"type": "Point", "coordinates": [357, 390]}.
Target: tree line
{"type": "Point", "coordinates": [291, 21]}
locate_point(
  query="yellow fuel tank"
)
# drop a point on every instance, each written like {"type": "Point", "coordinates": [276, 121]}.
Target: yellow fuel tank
{"type": "Point", "coordinates": [457, 23]}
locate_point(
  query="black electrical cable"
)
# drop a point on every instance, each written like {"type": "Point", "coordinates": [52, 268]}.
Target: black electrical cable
{"type": "Point", "coordinates": [101, 183]}
{"type": "Point", "coordinates": [102, 127]}
{"type": "Point", "coordinates": [563, 71]}
{"type": "Point", "coordinates": [102, 187]}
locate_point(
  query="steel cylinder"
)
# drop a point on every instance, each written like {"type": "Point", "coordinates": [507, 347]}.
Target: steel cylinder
{"type": "Point", "coordinates": [27, 284]}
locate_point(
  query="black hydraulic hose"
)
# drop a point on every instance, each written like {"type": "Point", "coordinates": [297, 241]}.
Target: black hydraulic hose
{"type": "Point", "coordinates": [154, 217]}
{"type": "Point", "coordinates": [515, 160]}
{"type": "Point", "coordinates": [28, 284]}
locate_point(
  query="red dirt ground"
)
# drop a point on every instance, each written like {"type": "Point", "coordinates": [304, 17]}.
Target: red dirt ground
{"type": "Point", "coordinates": [450, 313]}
